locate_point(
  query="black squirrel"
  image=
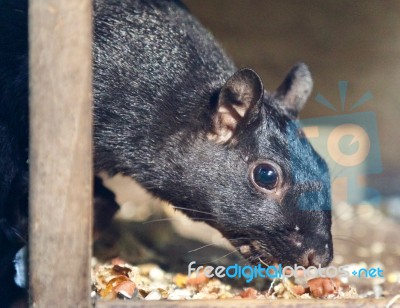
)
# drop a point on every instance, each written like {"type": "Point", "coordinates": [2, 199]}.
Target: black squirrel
{"type": "Point", "coordinates": [172, 111]}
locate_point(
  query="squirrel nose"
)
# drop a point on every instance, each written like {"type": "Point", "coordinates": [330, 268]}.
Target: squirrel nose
{"type": "Point", "coordinates": [311, 258]}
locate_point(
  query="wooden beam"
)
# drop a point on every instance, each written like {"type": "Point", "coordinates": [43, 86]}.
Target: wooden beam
{"type": "Point", "coordinates": [60, 34]}
{"type": "Point", "coordinates": [247, 303]}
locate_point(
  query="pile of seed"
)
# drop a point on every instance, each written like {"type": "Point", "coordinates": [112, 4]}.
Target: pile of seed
{"type": "Point", "coordinates": [149, 282]}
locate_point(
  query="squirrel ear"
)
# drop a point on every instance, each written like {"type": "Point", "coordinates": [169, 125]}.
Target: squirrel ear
{"type": "Point", "coordinates": [295, 89]}
{"type": "Point", "coordinates": [241, 94]}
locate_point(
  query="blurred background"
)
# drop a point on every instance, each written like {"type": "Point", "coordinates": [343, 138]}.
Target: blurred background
{"type": "Point", "coordinates": [353, 51]}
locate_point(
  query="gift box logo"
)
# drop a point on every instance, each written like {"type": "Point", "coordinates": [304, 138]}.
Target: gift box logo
{"type": "Point", "coordinates": [349, 143]}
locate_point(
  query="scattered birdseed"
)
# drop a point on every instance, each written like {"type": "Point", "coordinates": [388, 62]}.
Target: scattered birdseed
{"type": "Point", "coordinates": [149, 282]}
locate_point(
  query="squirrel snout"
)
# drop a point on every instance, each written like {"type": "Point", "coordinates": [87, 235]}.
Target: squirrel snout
{"type": "Point", "coordinates": [312, 258]}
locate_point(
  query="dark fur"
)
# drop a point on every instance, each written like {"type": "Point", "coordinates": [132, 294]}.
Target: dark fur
{"type": "Point", "coordinates": [157, 80]}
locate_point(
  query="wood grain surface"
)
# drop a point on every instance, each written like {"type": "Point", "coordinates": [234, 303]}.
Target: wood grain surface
{"type": "Point", "coordinates": [60, 152]}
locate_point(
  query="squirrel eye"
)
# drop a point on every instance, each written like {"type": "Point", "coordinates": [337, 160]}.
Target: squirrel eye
{"type": "Point", "coordinates": [265, 176]}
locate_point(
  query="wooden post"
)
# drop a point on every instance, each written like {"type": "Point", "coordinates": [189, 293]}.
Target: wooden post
{"type": "Point", "coordinates": [60, 152]}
